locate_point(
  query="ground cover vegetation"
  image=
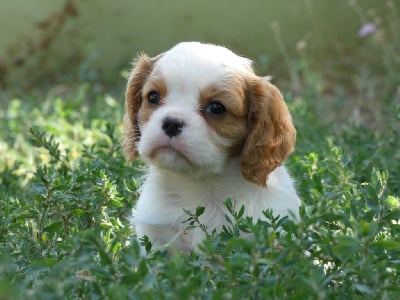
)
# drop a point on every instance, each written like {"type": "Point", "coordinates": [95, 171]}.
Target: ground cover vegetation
{"type": "Point", "coordinates": [66, 194]}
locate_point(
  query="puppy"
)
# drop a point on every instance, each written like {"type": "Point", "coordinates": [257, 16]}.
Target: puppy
{"type": "Point", "coordinates": [209, 129]}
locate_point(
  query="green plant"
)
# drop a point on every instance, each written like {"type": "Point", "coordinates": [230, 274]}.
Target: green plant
{"type": "Point", "coordinates": [66, 194]}
{"type": "Point", "coordinates": [65, 231]}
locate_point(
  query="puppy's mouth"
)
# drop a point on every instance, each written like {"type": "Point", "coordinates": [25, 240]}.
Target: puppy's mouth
{"type": "Point", "coordinates": [168, 152]}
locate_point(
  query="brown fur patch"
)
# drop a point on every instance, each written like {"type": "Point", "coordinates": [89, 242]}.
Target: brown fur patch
{"type": "Point", "coordinates": [154, 83]}
{"type": "Point", "coordinates": [271, 132]}
{"type": "Point", "coordinates": [233, 124]}
{"type": "Point", "coordinates": [133, 101]}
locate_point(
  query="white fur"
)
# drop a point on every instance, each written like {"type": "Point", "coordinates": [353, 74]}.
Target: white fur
{"type": "Point", "coordinates": [159, 212]}
{"type": "Point", "coordinates": [192, 169]}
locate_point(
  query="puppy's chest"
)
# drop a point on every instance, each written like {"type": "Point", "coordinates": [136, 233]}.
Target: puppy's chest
{"type": "Point", "coordinates": [213, 200]}
{"type": "Point", "coordinates": [164, 199]}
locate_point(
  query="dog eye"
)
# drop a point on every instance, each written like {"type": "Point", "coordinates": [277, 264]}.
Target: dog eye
{"type": "Point", "coordinates": [215, 108]}
{"type": "Point", "coordinates": [154, 98]}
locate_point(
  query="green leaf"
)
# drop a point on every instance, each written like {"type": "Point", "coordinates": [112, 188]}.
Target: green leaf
{"type": "Point", "coordinates": [346, 245]}
{"type": "Point", "coordinates": [200, 210]}
{"type": "Point", "coordinates": [241, 212]}
{"type": "Point", "coordinates": [362, 288]}
{"type": "Point", "coordinates": [39, 188]}
{"type": "Point", "coordinates": [79, 212]}
{"type": "Point", "coordinates": [54, 227]}
{"type": "Point", "coordinates": [44, 263]}
{"type": "Point", "coordinates": [393, 215]}
{"type": "Point", "coordinates": [387, 244]}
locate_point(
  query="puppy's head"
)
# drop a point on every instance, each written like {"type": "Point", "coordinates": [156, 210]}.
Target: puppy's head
{"type": "Point", "coordinates": [196, 106]}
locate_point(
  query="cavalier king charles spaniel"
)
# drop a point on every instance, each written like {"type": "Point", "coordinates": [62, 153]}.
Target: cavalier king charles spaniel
{"type": "Point", "coordinates": [209, 129]}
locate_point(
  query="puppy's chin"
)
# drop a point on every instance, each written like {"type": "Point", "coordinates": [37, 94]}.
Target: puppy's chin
{"type": "Point", "coordinates": [171, 159]}
{"type": "Point", "coordinates": [183, 163]}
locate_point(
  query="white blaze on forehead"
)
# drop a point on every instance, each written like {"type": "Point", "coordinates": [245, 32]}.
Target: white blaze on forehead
{"type": "Point", "coordinates": [190, 66]}
{"type": "Point", "coordinates": [206, 53]}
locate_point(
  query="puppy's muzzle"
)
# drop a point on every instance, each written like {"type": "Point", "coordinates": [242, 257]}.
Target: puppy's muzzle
{"type": "Point", "coordinates": [172, 127]}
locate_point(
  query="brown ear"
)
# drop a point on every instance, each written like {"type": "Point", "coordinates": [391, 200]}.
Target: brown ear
{"type": "Point", "coordinates": [143, 66]}
{"type": "Point", "coordinates": [271, 132]}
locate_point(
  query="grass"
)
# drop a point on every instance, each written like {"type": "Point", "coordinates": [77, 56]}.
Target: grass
{"type": "Point", "coordinates": [66, 194]}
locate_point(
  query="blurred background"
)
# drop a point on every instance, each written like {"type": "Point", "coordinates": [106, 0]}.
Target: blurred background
{"type": "Point", "coordinates": [343, 57]}
{"type": "Point", "coordinates": [44, 40]}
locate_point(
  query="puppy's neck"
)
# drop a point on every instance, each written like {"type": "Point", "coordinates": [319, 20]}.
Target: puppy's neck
{"type": "Point", "coordinates": [185, 190]}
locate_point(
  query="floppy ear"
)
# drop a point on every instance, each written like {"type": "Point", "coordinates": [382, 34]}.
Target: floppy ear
{"type": "Point", "coordinates": [271, 132]}
{"type": "Point", "coordinates": [142, 68]}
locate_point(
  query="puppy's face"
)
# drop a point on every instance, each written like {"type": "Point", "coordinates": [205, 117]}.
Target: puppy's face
{"type": "Point", "coordinates": [196, 106]}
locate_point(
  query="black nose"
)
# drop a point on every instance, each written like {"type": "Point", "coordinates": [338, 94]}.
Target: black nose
{"type": "Point", "coordinates": [172, 126]}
